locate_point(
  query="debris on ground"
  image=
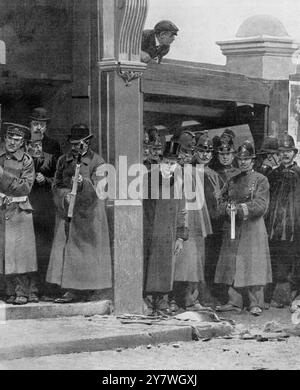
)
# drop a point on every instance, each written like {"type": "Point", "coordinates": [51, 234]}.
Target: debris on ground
{"type": "Point", "coordinates": [273, 326]}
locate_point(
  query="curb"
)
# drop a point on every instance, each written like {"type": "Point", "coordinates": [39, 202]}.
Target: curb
{"type": "Point", "coordinates": [96, 344]}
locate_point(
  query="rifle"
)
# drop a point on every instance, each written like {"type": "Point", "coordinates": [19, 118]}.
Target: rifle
{"type": "Point", "coordinates": [232, 220]}
{"type": "Point", "coordinates": [75, 184]}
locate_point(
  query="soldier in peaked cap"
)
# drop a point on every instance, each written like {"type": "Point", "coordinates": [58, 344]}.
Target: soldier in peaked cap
{"type": "Point", "coordinates": [38, 124]}
{"type": "Point", "coordinates": [268, 156]}
{"type": "Point", "coordinates": [156, 43]}
{"type": "Point", "coordinates": [283, 223]}
{"type": "Point", "coordinates": [164, 231]}
{"type": "Point", "coordinates": [80, 260]}
{"type": "Point", "coordinates": [244, 263]}
{"type": "Point", "coordinates": [17, 249]}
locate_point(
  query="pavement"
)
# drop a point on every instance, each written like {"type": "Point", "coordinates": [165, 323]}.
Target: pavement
{"type": "Point", "coordinates": [96, 330]}
{"type": "Point", "coordinates": [47, 329]}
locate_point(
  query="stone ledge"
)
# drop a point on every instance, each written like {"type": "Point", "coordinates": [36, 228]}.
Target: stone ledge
{"type": "Point", "coordinates": [52, 310]}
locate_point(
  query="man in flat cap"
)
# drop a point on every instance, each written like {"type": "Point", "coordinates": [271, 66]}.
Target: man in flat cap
{"type": "Point", "coordinates": [80, 260]}
{"type": "Point", "coordinates": [17, 240]}
{"type": "Point", "coordinates": [156, 43]}
{"type": "Point", "coordinates": [38, 124]}
{"type": "Point", "coordinates": [41, 199]}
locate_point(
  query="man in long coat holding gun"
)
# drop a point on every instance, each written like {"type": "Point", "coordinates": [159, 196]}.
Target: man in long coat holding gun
{"type": "Point", "coordinates": [80, 260]}
{"type": "Point", "coordinates": [244, 261]}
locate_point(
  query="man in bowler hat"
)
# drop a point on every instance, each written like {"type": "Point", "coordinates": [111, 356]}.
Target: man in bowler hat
{"type": "Point", "coordinates": [38, 124]}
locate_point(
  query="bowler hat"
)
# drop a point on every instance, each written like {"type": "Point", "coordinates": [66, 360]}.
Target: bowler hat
{"type": "Point", "coordinates": [204, 143]}
{"type": "Point", "coordinates": [269, 145]}
{"type": "Point", "coordinates": [166, 25]}
{"type": "Point", "coordinates": [246, 150]}
{"type": "Point", "coordinates": [40, 114]}
{"type": "Point", "coordinates": [287, 143]}
{"type": "Point", "coordinates": [79, 132]}
{"type": "Point", "coordinates": [171, 150]}
{"type": "Point", "coordinates": [18, 130]}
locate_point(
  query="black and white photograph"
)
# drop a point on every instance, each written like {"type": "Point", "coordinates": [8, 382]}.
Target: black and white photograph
{"type": "Point", "coordinates": [149, 187]}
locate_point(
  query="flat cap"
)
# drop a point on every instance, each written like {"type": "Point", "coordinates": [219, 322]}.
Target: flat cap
{"type": "Point", "coordinates": [166, 25]}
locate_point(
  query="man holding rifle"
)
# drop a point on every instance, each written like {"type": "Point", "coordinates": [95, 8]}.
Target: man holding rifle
{"type": "Point", "coordinates": [80, 260]}
{"type": "Point", "coordinates": [244, 261]}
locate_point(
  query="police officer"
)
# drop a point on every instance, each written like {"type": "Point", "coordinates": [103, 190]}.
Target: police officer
{"type": "Point", "coordinates": [268, 156]}
{"type": "Point", "coordinates": [156, 43]}
{"type": "Point", "coordinates": [17, 245]}
{"type": "Point", "coordinates": [283, 222]}
{"type": "Point", "coordinates": [244, 262]}
{"type": "Point", "coordinates": [187, 141]}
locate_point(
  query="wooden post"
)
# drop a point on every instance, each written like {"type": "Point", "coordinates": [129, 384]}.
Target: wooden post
{"type": "Point", "coordinates": [121, 117]}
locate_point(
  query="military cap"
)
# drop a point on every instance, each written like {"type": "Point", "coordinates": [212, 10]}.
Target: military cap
{"type": "Point", "coordinates": [204, 143]}
{"type": "Point", "coordinates": [269, 145]}
{"type": "Point", "coordinates": [287, 143]}
{"type": "Point", "coordinates": [79, 132]}
{"type": "Point", "coordinates": [171, 150]}
{"type": "Point", "coordinates": [166, 25]}
{"type": "Point", "coordinates": [40, 114]}
{"type": "Point", "coordinates": [18, 130]}
{"type": "Point", "coordinates": [186, 140]}
{"type": "Point", "coordinates": [246, 151]}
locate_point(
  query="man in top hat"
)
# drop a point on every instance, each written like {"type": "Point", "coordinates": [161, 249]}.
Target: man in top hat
{"type": "Point", "coordinates": [156, 43]}
{"type": "Point", "coordinates": [38, 124]}
{"type": "Point", "coordinates": [244, 263]}
{"type": "Point", "coordinates": [164, 229]}
{"type": "Point", "coordinates": [283, 222]}
{"type": "Point", "coordinates": [41, 199]}
{"type": "Point", "coordinates": [268, 156]}
{"type": "Point", "coordinates": [17, 247]}
{"type": "Point", "coordinates": [80, 260]}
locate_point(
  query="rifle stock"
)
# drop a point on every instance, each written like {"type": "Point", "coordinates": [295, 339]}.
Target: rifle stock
{"type": "Point", "coordinates": [75, 185]}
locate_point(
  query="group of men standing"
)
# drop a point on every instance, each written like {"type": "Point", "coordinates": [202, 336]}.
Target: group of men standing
{"type": "Point", "coordinates": [46, 252]}
{"type": "Point", "coordinates": [258, 193]}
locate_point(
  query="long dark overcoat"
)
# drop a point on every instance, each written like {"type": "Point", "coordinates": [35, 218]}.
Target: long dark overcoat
{"type": "Point", "coordinates": [164, 222]}
{"type": "Point", "coordinates": [17, 240]}
{"type": "Point", "coordinates": [82, 261]}
{"type": "Point", "coordinates": [245, 261]}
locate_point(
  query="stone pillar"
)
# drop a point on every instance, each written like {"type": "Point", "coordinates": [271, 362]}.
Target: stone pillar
{"type": "Point", "coordinates": [264, 57]}
{"type": "Point", "coordinates": [121, 117]}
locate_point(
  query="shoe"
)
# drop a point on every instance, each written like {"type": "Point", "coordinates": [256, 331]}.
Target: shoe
{"type": "Point", "coordinates": [162, 307]}
{"type": "Point", "coordinates": [10, 300]}
{"type": "Point", "coordinates": [33, 298]}
{"type": "Point", "coordinates": [20, 301]}
{"type": "Point", "coordinates": [228, 307]}
{"type": "Point", "coordinates": [276, 305]}
{"type": "Point", "coordinates": [46, 298]}
{"type": "Point", "coordinates": [256, 311]}
{"type": "Point", "coordinates": [68, 297]}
